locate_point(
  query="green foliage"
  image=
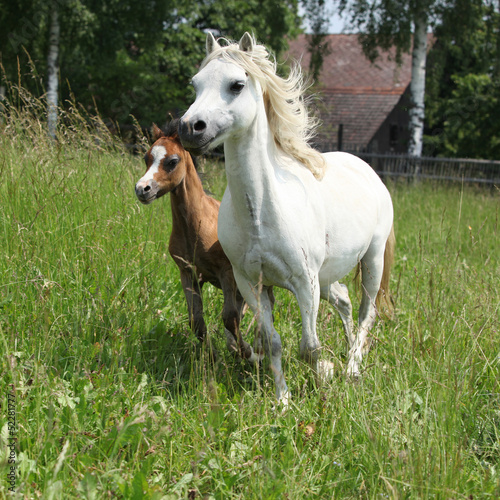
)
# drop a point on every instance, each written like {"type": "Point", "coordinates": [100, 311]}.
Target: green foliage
{"type": "Point", "coordinates": [114, 398]}
{"type": "Point", "coordinates": [386, 24]}
{"type": "Point", "coordinates": [463, 82]}
{"type": "Point", "coordinates": [131, 58]}
{"type": "Point", "coordinates": [462, 72]}
{"type": "Point", "coordinates": [471, 127]}
{"type": "Point", "coordinates": [317, 17]}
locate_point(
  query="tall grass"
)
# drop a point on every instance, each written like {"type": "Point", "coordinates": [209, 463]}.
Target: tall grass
{"type": "Point", "coordinates": [114, 397]}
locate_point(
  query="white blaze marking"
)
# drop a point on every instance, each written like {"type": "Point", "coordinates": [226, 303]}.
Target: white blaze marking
{"type": "Point", "coordinates": [158, 153]}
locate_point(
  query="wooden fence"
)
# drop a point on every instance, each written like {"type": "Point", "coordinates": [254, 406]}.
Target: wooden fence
{"type": "Point", "coordinates": [445, 169]}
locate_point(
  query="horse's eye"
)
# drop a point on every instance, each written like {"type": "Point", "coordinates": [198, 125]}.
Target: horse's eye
{"type": "Point", "coordinates": [237, 87]}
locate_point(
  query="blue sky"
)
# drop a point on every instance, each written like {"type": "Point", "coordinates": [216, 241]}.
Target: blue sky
{"type": "Point", "coordinates": [337, 23]}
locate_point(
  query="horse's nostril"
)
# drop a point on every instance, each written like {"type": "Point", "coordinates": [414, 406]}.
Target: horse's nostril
{"type": "Point", "coordinates": [200, 126]}
{"type": "Point", "coordinates": [147, 188]}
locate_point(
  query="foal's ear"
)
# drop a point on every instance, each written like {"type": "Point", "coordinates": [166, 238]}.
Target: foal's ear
{"type": "Point", "coordinates": [246, 42]}
{"type": "Point", "coordinates": [157, 132]}
{"type": "Point", "coordinates": [211, 44]}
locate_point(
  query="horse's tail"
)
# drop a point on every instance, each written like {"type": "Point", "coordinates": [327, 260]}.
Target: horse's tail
{"type": "Point", "coordinates": [384, 300]}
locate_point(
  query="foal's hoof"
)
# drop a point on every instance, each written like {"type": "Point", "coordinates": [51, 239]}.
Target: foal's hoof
{"type": "Point", "coordinates": [256, 357]}
{"type": "Point", "coordinates": [211, 353]}
{"type": "Point", "coordinates": [207, 353]}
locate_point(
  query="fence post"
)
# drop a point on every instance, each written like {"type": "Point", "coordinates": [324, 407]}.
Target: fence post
{"type": "Point", "coordinates": [416, 168]}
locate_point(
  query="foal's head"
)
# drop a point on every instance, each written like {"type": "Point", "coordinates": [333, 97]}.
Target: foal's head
{"type": "Point", "coordinates": [166, 163]}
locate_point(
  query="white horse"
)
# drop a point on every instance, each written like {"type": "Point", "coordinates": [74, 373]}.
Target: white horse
{"type": "Point", "coordinates": [290, 216]}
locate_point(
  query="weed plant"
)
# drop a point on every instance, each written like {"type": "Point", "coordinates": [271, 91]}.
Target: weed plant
{"type": "Point", "coordinates": [114, 398]}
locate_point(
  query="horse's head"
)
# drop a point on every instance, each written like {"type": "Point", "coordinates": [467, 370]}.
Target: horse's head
{"type": "Point", "coordinates": [165, 165]}
{"type": "Point", "coordinates": [226, 97]}
{"type": "Point", "coordinates": [238, 93]}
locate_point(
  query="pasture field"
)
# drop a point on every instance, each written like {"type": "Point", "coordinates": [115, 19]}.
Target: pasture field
{"type": "Point", "coordinates": [106, 394]}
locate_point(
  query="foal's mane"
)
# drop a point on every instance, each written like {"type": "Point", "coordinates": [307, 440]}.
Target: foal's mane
{"type": "Point", "coordinates": [289, 121]}
{"type": "Point", "coordinates": [171, 130]}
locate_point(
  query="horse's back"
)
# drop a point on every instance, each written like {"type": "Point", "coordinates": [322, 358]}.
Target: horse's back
{"type": "Point", "coordinates": [358, 213]}
{"type": "Point", "coordinates": [351, 168]}
{"type": "Point", "coordinates": [354, 182]}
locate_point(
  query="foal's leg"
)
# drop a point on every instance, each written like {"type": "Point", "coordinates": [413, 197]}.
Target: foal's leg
{"type": "Point", "coordinates": [372, 267]}
{"type": "Point", "coordinates": [192, 291]}
{"type": "Point", "coordinates": [259, 300]}
{"type": "Point", "coordinates": [338, 296]}
{"type": "Point", "coordinates": [231, 315]}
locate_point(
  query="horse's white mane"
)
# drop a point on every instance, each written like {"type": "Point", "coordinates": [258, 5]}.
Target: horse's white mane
{"type": "Point", "coordinates": [287, 114]}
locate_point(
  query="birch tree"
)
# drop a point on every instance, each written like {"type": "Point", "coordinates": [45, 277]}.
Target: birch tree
{"type": "Point", "coordinates": [417, 84]}
{"type": "Point", "coordinates": [53, 70]}
{"type": "Point", "coordinates": [403, 24]}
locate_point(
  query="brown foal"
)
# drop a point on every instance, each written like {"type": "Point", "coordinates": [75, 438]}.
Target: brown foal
{"type": "Point", "coordinates": [193, 245]}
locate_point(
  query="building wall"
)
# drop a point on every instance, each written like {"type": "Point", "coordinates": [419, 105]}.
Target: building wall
{"type": "Point", "coordinates": [393, 135]}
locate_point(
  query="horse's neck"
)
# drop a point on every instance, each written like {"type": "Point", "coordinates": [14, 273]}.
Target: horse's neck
{"type": "Point", "coordinates": [186, 200]}
{"type": "Point", "coordinates": [250, 171]}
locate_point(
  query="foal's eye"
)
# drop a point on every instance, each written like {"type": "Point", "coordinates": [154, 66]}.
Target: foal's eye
{"type": "Point", "coordinates": [171, 163]}
{"type": "Point", "coordinates": [237, 87]}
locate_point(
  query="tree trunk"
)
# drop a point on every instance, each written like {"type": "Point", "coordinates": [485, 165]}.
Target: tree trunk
{"type": "Point", "coordinates": [417, 86]}
{"type": "Point", "coordinates": [53, 71]}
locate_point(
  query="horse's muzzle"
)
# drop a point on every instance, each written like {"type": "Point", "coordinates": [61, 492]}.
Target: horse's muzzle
{"type": "Point", "coordinates": [194, 136]}
{"type": "Point", "coordinates": [146, 191]}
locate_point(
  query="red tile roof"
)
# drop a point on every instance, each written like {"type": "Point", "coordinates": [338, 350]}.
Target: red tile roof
{"type": "Point", "coordinates": [352, 90]}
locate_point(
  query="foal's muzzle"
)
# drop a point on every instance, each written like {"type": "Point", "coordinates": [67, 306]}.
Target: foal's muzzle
{"type": "Point", "coordinates": [146, 191]}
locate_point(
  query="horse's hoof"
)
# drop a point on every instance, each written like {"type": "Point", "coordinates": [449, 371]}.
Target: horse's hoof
{"type": "Point", "coordinates": [367, 346]}
{"type": "Point", "coordinates": [326, 371]}
{"type": "Point", "coordinates": [283, 402]}
{"type": "Point", "coordinates": [353, 375]}
{"type": "Point", "coordinates": [352, 370]}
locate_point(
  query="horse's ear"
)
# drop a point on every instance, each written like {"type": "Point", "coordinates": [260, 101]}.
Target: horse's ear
{"type": "Point", "coordinates": [246, 43]}
{"type": "Point", "coordinates": [157, 132]}
{"type": "Point", "coordinates": [211, 44]}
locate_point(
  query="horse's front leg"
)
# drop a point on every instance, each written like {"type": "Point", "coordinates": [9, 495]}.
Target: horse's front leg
{"type": "Point", "coordinates": [308, 294]}
{"type": "Point", "coordinates": [261, 302]}
{"type": "Point", "coordinates": [192, 291]}
{"type": "Point", "coordinates": [257, 344]}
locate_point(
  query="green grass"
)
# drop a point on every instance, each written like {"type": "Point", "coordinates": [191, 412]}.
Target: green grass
{"type": "Point", "coordinates": [115, 399]}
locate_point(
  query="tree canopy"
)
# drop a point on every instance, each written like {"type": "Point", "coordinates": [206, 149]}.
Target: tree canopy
{"type": "Point", "coordinates": [463, 82]}
{"type": "Point", "coordinates": [461, 72]}
{"type": "Point", "coordinates": [126, 57]}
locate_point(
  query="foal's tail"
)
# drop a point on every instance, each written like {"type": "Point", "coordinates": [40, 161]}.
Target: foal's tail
{"type": "Point", "coordinates": [384, 300]}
